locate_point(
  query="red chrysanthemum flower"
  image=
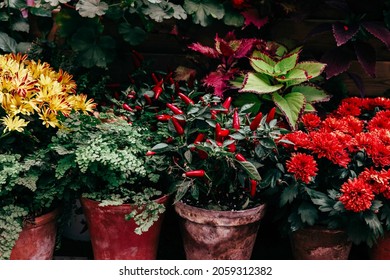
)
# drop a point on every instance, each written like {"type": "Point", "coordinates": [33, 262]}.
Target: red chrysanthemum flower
{"type": "Point", "coordinates": [353, 125]}
{"type": "Point", "coordinates": [357, 195]}
{"type": "Point", "coordinates": [331, 124]}
{"type": "Point", "coordinates": [353, 101]}
{"type": "Point", "coordinates": [377, 180]}
{"type": "Point", "coordinates": [311, 121]}
{"type": "Point", "coordinates": [329, 146]}
{"type": "Point", "coordinates": [302, 166]}
{"type": "Point", "coordinates": [382, 135]}
{"type": "Point", "coordinates": [377, 102]}
{"type": "Point", "coordinates": [348, 109]}
{"type": "Point", "coordinates": [380, 121]}
{"type": "Point", "coordinates": [298, 138]}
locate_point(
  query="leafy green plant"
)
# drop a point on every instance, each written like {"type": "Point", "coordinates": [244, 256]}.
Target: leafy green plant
{"type": "Point", "coordinates": [107, 161]}
{"type": "Point", "coordinates": [280, 75]}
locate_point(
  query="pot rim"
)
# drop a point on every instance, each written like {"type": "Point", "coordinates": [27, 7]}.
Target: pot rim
{"type": "Point", "coordinates": [161, 200]}
{"type": "Point", "coordinates": [42, 220]}
{"type": "Point", "coordinates": [220, 217]}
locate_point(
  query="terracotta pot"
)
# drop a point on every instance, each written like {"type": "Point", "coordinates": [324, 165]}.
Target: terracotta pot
{"type": "Point", "coordinates": [219, 235]}
{"type": "Point", "coordinates": [37, 240]}
{"type": "Point", "coordinates": [317, 243]}
{"type": "Point", "coordinates": [381, 250]}
{"type": "Point", "coordinates": [113, 237]}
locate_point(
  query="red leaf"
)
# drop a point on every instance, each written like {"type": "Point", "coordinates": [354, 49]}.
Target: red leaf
{"type": "Point", "coordinates": [337, 61]}
{"type": "Point", "coordinates": [343, 33]}
{"type": "Point", "coordinates": [207, 51]}
{"type": "Point", "coordinates": [252, 17]}
{"type": "Point", "coordinates": [246, 46]}
{"type": "Point", "coordinates": [218, 81]}
{"type": "Point", "coordinates": [358, 82]}
{"type": "Point", "coordinates": [366, 56]}
{"type": "Point", "coordinates": [224, 48]}
{"type": "Point", "coordinates": [379, 31]}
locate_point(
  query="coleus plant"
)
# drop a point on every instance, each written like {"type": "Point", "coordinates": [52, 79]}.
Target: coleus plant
{"type": "Point", "coordinates": [279, 75]}
{"type": "Point", "coordinates": [353, 37]}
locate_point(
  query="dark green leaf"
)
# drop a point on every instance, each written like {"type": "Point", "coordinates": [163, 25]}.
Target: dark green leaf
{"type": "Point", "coordinates": [250, 169]}
{"type": "Point", "coordinates": [203, 11]}
{"type": "Point", "coordinates": [133, 35]}
{"type": "Point", "coordinates": [373, 222]}
{"type": "Point", "coordinates": [7, 43]}
{"type": "Point", "coordinates": [288, 195]}
{"type": "Point", "coordinates": [308, 213]}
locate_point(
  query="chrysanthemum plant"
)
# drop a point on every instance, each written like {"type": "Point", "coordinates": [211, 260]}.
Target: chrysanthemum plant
{"type": "Point", "coordinates": [334, 172]}
{"type": "Point", "coordinates": [278, 76]}
{"type": "Point", "coordinates": [33, 99]}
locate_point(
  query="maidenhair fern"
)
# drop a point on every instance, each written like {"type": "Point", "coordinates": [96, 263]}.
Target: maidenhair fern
{"type": "Point", "coordinates": [11, 220]}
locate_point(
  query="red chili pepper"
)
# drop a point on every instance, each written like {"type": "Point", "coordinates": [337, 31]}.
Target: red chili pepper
{"type": "Point", "coordinates": [213, 114]}
{"type": "Point", "coordinates": [223, 133]}
{"type": "Point", "coordinates": [271, 115]}
{"type": "Point", "coordinates": [179, 129]}
{"type": "Point", "coordinates": [185, 98]}
{"type": "Point", "coordinates": [226, 103]}
{"type": "Point", "coordinates": [157, 89]}
{"type": "Point", "coordinates": [127, 107]}
{"type": "Point", "coordinates": [169, 140]}
{"type": "Point", "coordinates": [177, 87]}
{"type": "Point", "coordinates": [256, 121]}
{"type": "Point", "coordinates": [236, 120]}
{"type": "Point", "coordinates": [138, 108]}
{"type": "Point", "coordinates": [199, 138]}
{"type": "Point", "coordinates": [240, 157]}
{"type": "Point", "coordinates": [148, 100]}
{"type": "Point", "coordinates": [195, 173]}
{"type": "Point", "coordinates": [154, 77]}
{"type": "Point", "coordinates": [163, 118]}
{"type": "Point", "coordinates": [217, 129]}
{"type": "Point", "coordinates": [202, 154]}
{"type": "Point", "coordinates": [232, 147]}
{"type": "Point", "coordinates": [253, 188]}
{"type": "Point", "coordinates": [174, 109]}
{"type": "Point", "coordinates": [150, 153]}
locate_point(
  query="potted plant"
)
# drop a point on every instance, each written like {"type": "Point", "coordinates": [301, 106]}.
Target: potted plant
{"type": "Point", "coordinates": [332, 178]}
{"type": "Point", "coordinates": [213, 155]}
{"type": "Point", "coordinates": [107, 158]}
{"type": "Point", "coordinates": [33, 100]}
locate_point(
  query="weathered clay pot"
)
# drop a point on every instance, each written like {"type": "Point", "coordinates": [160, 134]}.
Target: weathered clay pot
{"type": "Point", "coordinates": [317, 243]}
{"type": "Point", "coordinates": [219, 235]}
{"type": "Point", "coordinates": [381, 250]}
{"type": "Point", "coordinates": [113, 237]}
{"type": "Point", "coordinates": [37, 240]}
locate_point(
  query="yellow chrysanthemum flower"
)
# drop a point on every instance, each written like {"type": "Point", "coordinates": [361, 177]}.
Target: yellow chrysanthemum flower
{"type": "Point", "coordinates": [48, 118]}
{"type": "Point", "coordinates": [14, 123]}
{"type": "Point", "coordinates": [80, 102]}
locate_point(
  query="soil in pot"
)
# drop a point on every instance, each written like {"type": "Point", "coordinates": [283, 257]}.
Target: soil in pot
{"type": "Point", "coordinates": [219, 235]}
{"type": "Point", "coordinates": [113, 237]}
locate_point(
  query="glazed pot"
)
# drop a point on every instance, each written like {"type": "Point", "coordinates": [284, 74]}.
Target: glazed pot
{"type": "Point", "coordinates": [381, 250]}
{"type": "Point", "coordinates": [318, 243]}
{"type": "Point", "coordinates": [113, 237]}
{"type": "Point", "coordinates": [218, 235]}
{"type": "Point", "coordinates": [37, 239]}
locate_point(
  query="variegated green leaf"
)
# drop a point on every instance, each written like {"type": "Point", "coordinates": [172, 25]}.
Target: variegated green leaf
{"type": "Point", "coordinates": [291, 105]}
{"type": "Point", "coordinates": [312, 69]}
{"type": "Point", "coordinates": [261, 66]}
{"type": "Point", "coordinates": [312, 93]}
{"type": "Point", "coordinates": [286, 64]}
{"type": "Point", "coordinates": [258, 83]}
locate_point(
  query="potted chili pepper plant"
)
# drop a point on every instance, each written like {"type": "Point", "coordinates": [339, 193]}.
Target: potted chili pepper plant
{"type": "Point", "coordinates": [215, 157]}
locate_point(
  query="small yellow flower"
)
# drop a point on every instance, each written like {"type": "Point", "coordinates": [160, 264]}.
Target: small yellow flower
{"type": "Point", "coordinates": [14, 123]}
{"type": "Point", "coordinates": [80, 102]}
{"type": "Point", "coordinates": [48, 118]}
